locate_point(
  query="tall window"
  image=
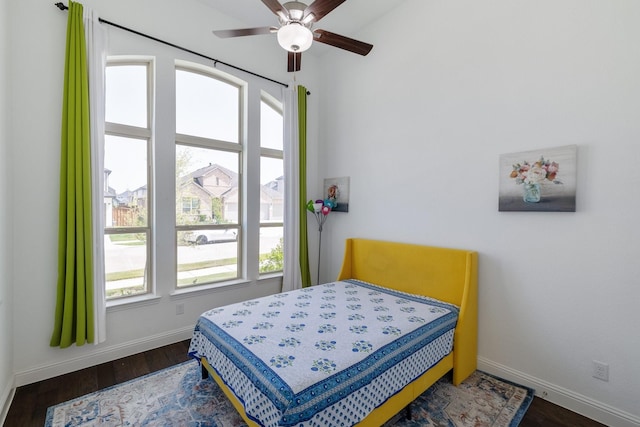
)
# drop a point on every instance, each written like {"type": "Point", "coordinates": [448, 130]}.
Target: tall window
{"type": "Point", "coordinates": [208, 175]}
{"type": "Point", "coordinates": [271, 185]}
{"type": "Point", "coordinates": [194, 185]}
{"type": "Point", "coordinates": [128, 166]}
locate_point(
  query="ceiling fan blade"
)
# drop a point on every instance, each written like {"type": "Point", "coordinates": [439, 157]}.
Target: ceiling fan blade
{"type": "Point", "coordinates": [244, 32]}
{"type": "Point", "coordinates": [320, 8]}
{"type": "Point", "coordinates": [293, 61]}
{"type": "Point", "coordinates": [342, 42]}
{"type": "Point", "coordinates": [276, 7]}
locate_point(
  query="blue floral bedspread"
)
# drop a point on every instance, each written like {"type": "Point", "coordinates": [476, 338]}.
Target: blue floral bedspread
{"type": "Point", "coordinates": [326, 355]}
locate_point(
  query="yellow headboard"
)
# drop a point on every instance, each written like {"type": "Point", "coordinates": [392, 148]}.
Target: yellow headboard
{"type": "Point", "coordinates": [449, 275]}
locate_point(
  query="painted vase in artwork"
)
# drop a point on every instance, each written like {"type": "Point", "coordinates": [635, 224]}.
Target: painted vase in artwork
{"type": "Point", "coordinates": [531, 192]}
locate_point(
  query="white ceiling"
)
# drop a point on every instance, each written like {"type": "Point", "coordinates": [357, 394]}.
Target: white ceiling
{"type": "Point", "coordinates": [347, 19]}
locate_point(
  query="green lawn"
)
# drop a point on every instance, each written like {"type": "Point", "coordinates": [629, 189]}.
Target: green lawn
{"type": "Point", "coordinates": [132, 274]}
{"type": "Point", "coordinates": [216, 277]}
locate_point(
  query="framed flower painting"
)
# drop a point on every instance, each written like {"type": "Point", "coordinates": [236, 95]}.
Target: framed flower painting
{"type": "Point", "coordinates": [538, 180]}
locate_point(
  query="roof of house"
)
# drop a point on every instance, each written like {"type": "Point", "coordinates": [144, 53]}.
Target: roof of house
{"type": "Point", "coordinates": [208, 170]}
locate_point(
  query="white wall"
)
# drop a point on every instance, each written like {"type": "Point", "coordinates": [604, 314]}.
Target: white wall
{"type": "Point", "coordinates": [419, 125]}
{"type": "Point", "coordinates": [38, 32]}
{"type": "Point", "coordinates": [6, 361]}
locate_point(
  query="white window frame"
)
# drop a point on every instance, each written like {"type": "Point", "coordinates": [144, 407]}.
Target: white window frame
{"type": "Point", "coordinates": [128, 131]}
{"type": "Point", "coordinates": [239, 148]}
{"type": "Point", "coordinates": [274, 154]}
{"type": "Point", "coordinates": [160, 134]}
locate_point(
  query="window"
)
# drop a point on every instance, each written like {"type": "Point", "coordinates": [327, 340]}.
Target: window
{"type": "Point", "coordinates": [271, 185]}
{"type": "Point", "coordinates": [208, 159]}
{"type": "Point", "coordinates": [194, 185]}
{"type": "Point", "coordinates": [190, 205]}
{"type": "Point", "coordinates": [128, 165]}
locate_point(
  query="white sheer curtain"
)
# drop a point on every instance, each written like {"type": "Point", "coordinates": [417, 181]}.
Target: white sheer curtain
{"type": "Point", "coordinates": [292, 278]}
{"type": "Point", "coordinates": [96, 41]}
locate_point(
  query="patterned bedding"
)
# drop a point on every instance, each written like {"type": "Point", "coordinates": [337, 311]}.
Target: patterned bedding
{"type": "Point", "coordinates": [324, 355]}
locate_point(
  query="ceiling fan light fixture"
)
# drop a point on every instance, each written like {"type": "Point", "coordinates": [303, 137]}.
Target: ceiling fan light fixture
{"type": "Point", "coordinates": [295, 37]}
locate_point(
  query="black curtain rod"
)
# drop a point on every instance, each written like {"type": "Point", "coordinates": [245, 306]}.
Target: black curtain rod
{"type": "Point", "coordinates": [215, 61]}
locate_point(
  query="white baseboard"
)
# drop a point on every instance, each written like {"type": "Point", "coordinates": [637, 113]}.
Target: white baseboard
{"type": "Point", "coordinates": [6, 398]}
{"type": "Point", "coordinates": [560, 396]}
{"type": "Point", "coordinates": [103, 355]}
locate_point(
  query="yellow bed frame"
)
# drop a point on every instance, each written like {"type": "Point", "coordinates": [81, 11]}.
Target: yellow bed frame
{"type": "Point", "coordinates": [450, 275]}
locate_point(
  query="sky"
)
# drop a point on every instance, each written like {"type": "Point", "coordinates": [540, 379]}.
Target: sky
{"type": "Point", "coordinates": [205, 107]}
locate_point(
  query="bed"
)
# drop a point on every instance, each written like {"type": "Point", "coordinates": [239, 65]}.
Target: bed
{"type": "Point", "coordinates": [340, 370]}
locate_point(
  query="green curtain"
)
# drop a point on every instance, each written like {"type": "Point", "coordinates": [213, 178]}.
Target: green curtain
{"type": "Point", "coordinates": [74, 303]}
{"type": "Point", "coordinates": [304, 241]}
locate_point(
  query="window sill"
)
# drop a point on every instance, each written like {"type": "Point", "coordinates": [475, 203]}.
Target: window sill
{"type": "Point", "coordinates": [270, 276]}
{"type": "Point", "coordinates": [206, 289]}
{"type": "Point", "coordinates": [133, 302]}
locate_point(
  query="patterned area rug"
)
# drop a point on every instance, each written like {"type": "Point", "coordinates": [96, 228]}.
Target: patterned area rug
{"type": "Point", "coordinates": [177, 397]}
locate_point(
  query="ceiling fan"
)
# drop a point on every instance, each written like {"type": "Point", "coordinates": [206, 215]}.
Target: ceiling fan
{"type": "Point", "coordinates": [295, 32]}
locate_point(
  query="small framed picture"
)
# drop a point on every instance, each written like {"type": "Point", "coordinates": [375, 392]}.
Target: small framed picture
{"type": "Point", "coordinates": [336, 191]}
{"type": "Point", "coordinates": [538, 180]}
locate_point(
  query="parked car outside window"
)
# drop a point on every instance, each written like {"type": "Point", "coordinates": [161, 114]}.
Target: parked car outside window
{"type": "Point", "coordinates": [203, 237]}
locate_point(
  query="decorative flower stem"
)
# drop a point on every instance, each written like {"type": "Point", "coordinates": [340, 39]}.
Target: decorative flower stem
{"type": "Point", "coordinates": [321, 212]}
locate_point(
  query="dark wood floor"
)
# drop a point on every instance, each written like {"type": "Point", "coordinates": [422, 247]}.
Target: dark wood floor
{"type": "Point", "coordinates": [29, 406]}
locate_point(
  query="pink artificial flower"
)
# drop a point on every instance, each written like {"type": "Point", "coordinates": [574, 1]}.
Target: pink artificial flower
{"type": "Point", "coordinates": [326, 210]}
